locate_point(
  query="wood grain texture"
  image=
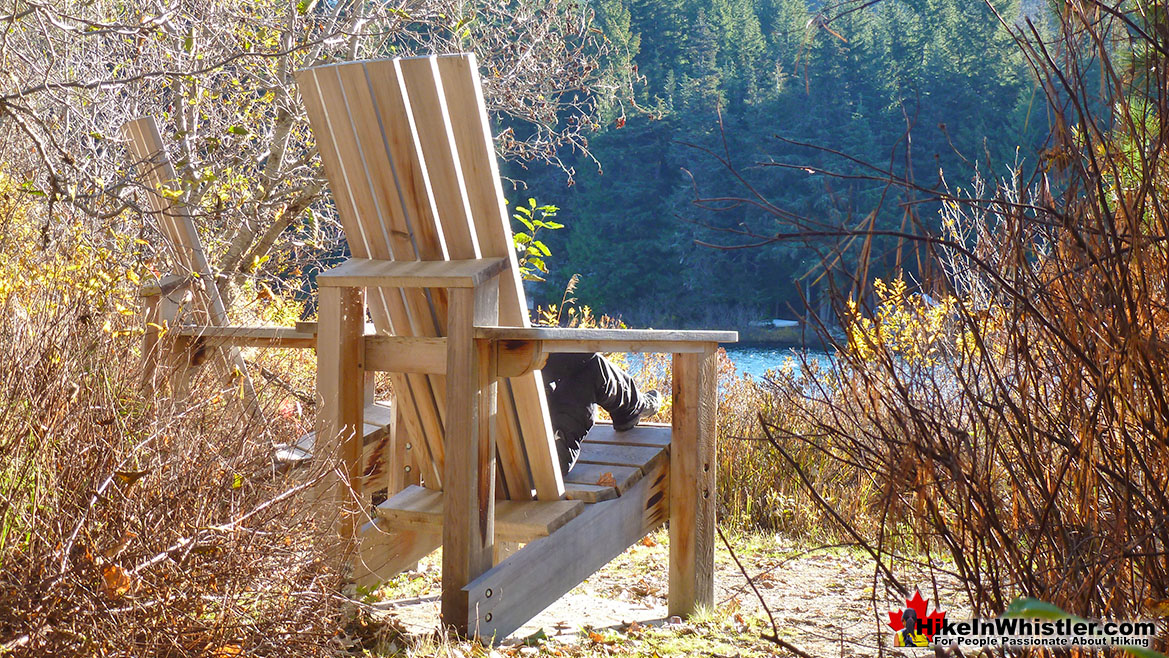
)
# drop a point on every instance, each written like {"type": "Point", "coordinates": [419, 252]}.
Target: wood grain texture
{"type": "Point", "coordinates": [588, 493]}
{"type": "Point", "coordinates": [469, 490]}
{"type": "Point", "coordinates": [647, 336]}
{"type": "Point", "coordinates": [524, 407]}
{"type": "Point", "coordinates": [340, 387]}
{"type": "Point", "coordinates": [510, 594]}
{"type": "Point", "coordinates": [645, 434]}
{"type": "Point", "coordinates": [412, 273]}
{"type": "Point", "coordinates": [402, 354]}
{"type": "Point", "coordinates": [403, 312]}
{"type": "Point", "coordinates": [616, 454]}
{"type": "Point", "coordinates": [430, 94]}
{"type": "Point", "coordinates": [519, 521]}
{"type": "Point", "coordinates": [692, 483]}
{"type": "Point", "coordinates": [624, 477]}
{"type": "Point", "coordinates": [271, 337]}
{"type": "Point", "coordinates": [385, 551]}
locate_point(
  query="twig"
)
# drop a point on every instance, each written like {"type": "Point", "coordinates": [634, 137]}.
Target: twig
{"type": "Point", "coordinates": [774, 637]}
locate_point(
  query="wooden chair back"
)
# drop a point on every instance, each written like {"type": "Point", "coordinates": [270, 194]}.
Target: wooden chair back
{"type": "Point", "coordinates": [407, 148]}
{"type": "Point", "coordinates": [162, 185]}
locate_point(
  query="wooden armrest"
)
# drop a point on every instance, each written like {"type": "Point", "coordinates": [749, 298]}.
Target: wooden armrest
{"type": "Point", "coordinates": [248, 336]}
{"type": "Point", "coordinates": [558, 339]}
{"type": "Point", "coordinates": [361, 272]}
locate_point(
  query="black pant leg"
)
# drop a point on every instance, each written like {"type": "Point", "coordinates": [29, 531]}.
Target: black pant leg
{"type": "Point", "coordinates": [575, 384]}
{"type": "Point", "coordinates": [613, 389]}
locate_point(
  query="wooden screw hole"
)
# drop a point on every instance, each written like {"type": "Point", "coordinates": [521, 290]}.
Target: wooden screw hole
{"type": "Point", "coordinates": [488, 617]}
{"type": "Point", "coordinates": [489, 592]}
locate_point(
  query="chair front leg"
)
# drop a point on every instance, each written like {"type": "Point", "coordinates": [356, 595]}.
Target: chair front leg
{"type": "Point", "coordinates": [693, 486]}
{"type": "Point", "coordinates": [341, 387]}
{"type": "Point", "coordinates": [468, 536]}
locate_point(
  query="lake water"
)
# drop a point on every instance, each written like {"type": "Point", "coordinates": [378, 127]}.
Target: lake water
{"type": "Point", "coordinates": [753, 360]}
{"type": "Point", "coordinates": [757, 359]}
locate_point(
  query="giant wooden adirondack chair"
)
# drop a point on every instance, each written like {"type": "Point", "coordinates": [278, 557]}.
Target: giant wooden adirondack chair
{"type": "Point", "coordinates": [407, 150]}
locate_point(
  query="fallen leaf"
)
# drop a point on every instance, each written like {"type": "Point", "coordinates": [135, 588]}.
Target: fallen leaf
{"type": "Point", "coordinates": [648, 541]}
{"type": "Point", "coordinates": [130, 477]}
{"type": "Point", "coordinates": [607, 480]}
{"type": "Point", "coordinates": [597, 638]}
{"type": "Point", "coordinates": [116, 581]}
{"type": "Point", "coordinates": [226, 651]}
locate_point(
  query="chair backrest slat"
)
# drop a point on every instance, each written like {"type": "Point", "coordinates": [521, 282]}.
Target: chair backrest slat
{"type": "Point", "coordinates": [472, 134]}
{"type": "Point", "coordinates": [402, 312]}
{"type": "Point", "coordinates": [155, 169]}
{"type": "Point", "coordinates": [408, 153]}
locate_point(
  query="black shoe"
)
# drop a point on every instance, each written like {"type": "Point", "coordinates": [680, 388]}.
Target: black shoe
{"type": "Point", "coordinates": [651, 404]}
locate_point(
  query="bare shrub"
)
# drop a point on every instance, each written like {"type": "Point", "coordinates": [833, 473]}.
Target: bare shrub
{"type": "Point", "coordinates": [134, 526]}
{"type": "Point", "coordinates": [1011, 414]}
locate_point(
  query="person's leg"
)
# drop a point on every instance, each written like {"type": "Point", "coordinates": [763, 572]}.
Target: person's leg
{"type": "Point", "coordinates": [572, 407]}
{"type": "Point", "coordinates": [576, 384]}
{"type": "Point", "coordinates": [613, 389]}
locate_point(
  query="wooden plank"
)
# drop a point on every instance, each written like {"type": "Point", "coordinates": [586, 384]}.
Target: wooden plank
{"type": "Point", "coordinates": [412, 274]}
{"type": "Point", "coordinates": [692, 482]}
{"type": "Point", "coordinates": [394, 311]}
{"type": "Point", "coordinates": [615, 454]}
{"type": "Point", "coordinates": [146, 146]}
{"type": "Point", "coordinates": [588, 493]}
{"type": "Point", "coordinates": [468, 532]}
{"type": "Point", "coordinates": [404, 467]}
{"type": "Point", "coordinates": [340, 385]}
{"type": "Point", "coordinates": [411, 354]}
{"type": "Point", "coordinates": [629, 335]}
{"type": "Point", "coordinates": [645, 434]}
{"type": "Point", "coordinates": [434, 136]}
{"type": "Point", "coordinates": [525, 403]}
{"type": "Point", "coordinates": [272, 337]}
{"type": "Point", "coordinates": [623, 476]}
{"type": "Point", "coordinates": [374, 142]}
{"type": "Point", "coordinates": [519, 521]}
{"type": "Point", "coordinates": [384, 551]}
{"type": "Point", "coordinates": [423, 86]}
{"type": "Point", "coordinates": [521, 586]}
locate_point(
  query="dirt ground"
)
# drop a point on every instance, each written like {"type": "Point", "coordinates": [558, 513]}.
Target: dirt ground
{"type": "Point", "coordinates": [820, 598]}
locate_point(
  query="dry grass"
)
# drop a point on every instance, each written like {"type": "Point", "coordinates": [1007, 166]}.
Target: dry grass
{"type": "Point", "coordinates": [133, 525]}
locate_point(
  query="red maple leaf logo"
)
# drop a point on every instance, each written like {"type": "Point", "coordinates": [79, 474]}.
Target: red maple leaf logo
{"type": "Point", "coordinates": [931, 623]}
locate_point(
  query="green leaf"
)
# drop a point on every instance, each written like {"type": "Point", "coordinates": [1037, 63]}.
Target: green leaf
{"type": "Point", "coordinates": [27, 186]}
{"type": "Point", "coordinates": [532, 203]}
{"type": "Point", "coordinates": [542, 247]}
{"type": "Point", "coordinates": [538, 263]}
{"type": "Point", "coordinates": [305, 6]}
{"type": "Point", "coordinates": [525, 222]}
{"type": "Point", "coordinates": [553, 225]}
{"type": "Point", "coordinates": [522, 238]}
{"type": "Point", "coordinates": [238, 130]}
{"type": "Point", "coordinates": [524, 210]}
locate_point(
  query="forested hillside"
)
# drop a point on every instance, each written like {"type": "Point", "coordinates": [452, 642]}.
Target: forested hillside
{"type": "Point", "coordinates": [850, 79]}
